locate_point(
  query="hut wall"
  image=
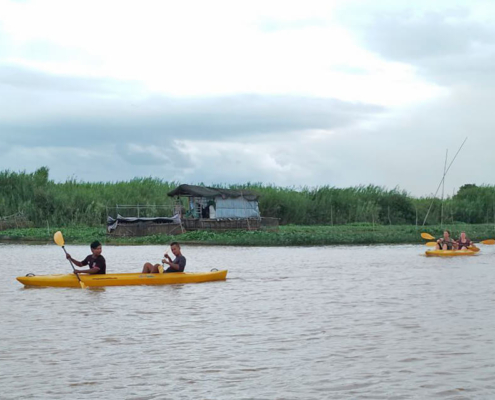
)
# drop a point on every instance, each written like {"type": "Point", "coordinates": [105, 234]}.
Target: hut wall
{"type": "Point", "coordinates": [237, 207]}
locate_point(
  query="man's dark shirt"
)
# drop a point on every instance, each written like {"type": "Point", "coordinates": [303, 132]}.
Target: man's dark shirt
{"type": "Point", "coordinates": [98, 262]}
{"type": "Point", "coordinates": [181, 260]}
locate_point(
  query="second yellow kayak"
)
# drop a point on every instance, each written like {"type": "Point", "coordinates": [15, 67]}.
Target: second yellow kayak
{"type": "Point", "coordinates": [449, 253]}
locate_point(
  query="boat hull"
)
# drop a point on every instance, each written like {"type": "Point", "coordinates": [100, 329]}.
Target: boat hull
{"type": "Point", "coordinates": [449, 253]}
{"type": "Point", "coordinates": [70, 280]}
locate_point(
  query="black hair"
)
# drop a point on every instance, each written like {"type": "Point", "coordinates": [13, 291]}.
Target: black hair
{"type": "Point", "coordinates": [95, 244]}
{"type": "Point", "coordinates": [174, 244]}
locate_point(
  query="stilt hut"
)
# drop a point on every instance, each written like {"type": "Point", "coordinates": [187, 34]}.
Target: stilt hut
{"type": "Point", "coordinates": [219, 209]}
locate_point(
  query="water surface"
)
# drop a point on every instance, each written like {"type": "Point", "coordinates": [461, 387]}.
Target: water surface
{"type": "Point", "coordinates": [340, 322]}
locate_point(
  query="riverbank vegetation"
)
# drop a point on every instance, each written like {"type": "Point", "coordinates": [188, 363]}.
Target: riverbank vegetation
{"type": "Point", "coordinates": [288, 235]}
{"type": "Point", "coordinates": [45, 203]}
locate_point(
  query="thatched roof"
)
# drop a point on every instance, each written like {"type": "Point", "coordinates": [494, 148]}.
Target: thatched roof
{"type": "Point", "coordinates": [205, 191]}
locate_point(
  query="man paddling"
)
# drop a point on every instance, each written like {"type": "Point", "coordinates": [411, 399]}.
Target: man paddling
{"type": "Point", "coordinates": [95, 261]}
{"type": "Point", "coordinates": [177, 265]}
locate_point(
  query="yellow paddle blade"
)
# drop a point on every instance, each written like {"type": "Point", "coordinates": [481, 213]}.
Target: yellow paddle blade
{"type": "Point", "coordinates": [59, 238]}
{"type": "Point", "coordinates": [474, 248]}
{"type": "Point", "coordinates": [83, 286]}
{"type": "Point", "coordinates": [488, 241]}
{"type": "Point", "coordinates": [431, 244]}
{"type": "Point", "coordinates": [427, 236]}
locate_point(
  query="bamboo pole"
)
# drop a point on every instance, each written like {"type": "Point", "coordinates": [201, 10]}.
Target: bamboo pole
{"type": "Point", "coordinates": [443, 187]}
{"type": "Point", "coordinates": [440, 184]}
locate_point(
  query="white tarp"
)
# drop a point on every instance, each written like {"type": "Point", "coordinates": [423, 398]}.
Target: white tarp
{"type": "Point", "coordinates": [236, 208]}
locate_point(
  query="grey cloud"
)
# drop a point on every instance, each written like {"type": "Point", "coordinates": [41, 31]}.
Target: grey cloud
{"type": "Point", "coordinates": [23, 78]}
{"type": "Point", "coordinates": [67, 118]}
{"type": "Point", "coordinates": [409, 150]}
{"type": "Point", "coordinates": [168, 155]}
{"type": "Point", "coordinates": [82, 128]}
{"type": "Point", "coordinates": [405, 37]}
{"type": "Point", "coordinates": [446, 44]}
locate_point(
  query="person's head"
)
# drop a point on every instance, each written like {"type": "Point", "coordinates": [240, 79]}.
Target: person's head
{"type": "Point", "coordinates": [95, 248]}
{"type": "Point", "coordinates": [446, 234]}
{"type": "Point", "coordinates": [175, 247]}
{"type": "Point", "coordinates": [463, 235]}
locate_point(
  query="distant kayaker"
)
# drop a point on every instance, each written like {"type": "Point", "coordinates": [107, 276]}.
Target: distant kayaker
{"type": "Point", "coordinates": [177, 265]}
{"type": "Point", "coordinates": [445, 243]}
{"type": "Point", "coordinates": [95, 261]}
{"type": "Point", "coordinates": [463, 243]}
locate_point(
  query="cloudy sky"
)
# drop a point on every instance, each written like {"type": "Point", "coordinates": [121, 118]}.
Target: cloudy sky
{"type": "Point", "coordinates": [304, 93]}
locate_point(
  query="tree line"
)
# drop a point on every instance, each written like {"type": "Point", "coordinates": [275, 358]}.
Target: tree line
{"type": "Point", "coordinates": [72, 202]}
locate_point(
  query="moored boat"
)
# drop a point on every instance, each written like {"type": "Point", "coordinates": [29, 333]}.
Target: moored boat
{"type": "Point", "coordinates": [99, 280]}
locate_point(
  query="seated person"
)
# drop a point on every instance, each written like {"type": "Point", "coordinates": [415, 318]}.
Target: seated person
{"type": "Point", "coordinates": [463, 243]}
{"type": "Point", "coordinates": [95, 261]}
{"type": "Point", "coordinates": [177, 265]}
{"type": "Point", "coordinates": [445, 243]}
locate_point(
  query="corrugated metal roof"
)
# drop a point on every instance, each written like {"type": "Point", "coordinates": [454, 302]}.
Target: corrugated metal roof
{"type": "Point", "coordinates": [206, 191]}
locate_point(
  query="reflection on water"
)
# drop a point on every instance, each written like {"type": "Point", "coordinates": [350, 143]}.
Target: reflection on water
{"type": "Point", "coordinates": [367, 322]}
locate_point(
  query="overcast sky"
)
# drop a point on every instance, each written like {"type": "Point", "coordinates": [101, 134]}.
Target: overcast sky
{"type": "Point", "coordinates": [304, 93]}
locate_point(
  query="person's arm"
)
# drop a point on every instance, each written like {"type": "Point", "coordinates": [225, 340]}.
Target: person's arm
{"type": "Point", "coordinates": [171, 264]}
{"type": "Point", "coordinates": [167, 260]}
{"type": "Point", "coordinates": [94, 270]}
{"type": "Point", "coordinates": [177, 267]}
{"type": "Point", "coordinates": [77, 263]}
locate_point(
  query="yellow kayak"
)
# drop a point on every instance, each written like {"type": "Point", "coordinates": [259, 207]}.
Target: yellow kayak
{"type": "Point", "coordinates": [450, 253]}
{"type": "Point", "coordinates": [70, 280]}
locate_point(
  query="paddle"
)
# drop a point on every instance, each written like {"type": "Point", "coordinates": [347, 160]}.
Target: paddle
{"type": "Point", "coordinates": [427, 236]}
{"type": "Point", "coordinates": [59, 240]}
{"type": "Point", "coordinates": [161, 267]}
{"type": "Point", "coordinates": [487, 242]}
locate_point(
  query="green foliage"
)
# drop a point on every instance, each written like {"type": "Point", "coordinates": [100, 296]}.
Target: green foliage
{"type": "Point", "coordinates": [288, 235]}
{"type": "Point", "coordinates": [74, 203]}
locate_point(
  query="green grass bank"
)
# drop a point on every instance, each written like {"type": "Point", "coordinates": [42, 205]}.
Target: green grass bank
{"type": "Point", "coordinates": [288, 235]}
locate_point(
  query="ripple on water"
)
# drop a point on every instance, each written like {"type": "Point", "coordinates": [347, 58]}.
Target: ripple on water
{"type": "Point", "coordinates": [340, 322]}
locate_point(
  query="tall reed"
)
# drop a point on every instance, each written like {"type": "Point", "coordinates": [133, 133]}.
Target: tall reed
{"type": "Point", "coordinates": [72, 202]}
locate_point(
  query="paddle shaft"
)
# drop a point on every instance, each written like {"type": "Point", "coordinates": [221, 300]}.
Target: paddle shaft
{"type": "Point", "coordinates": [72, 265]}
{"type": "Point", "coordinates": [165, 256]}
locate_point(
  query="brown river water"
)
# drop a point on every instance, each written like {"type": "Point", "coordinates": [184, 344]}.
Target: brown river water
{"type": "Point", "coordinates": [336, 322]}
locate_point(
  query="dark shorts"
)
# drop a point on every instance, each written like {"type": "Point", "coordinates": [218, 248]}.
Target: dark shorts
{"type": "Point", "coordinates": [450, 245]}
